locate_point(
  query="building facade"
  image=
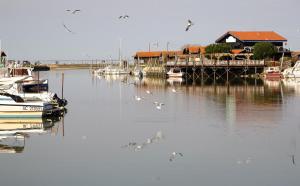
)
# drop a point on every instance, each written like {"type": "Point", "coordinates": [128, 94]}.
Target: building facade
{"type": "Point", "coordinates": [247, 39]}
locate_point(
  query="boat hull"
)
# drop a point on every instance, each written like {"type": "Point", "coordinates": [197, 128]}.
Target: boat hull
{"type": "Point", "coordinates": [21, 114]}
{"type": "Point", "coordinates": [28, 111]}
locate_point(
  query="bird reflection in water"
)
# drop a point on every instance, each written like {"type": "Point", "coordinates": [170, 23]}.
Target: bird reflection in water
{"type": "Point", "coordinates": [138, 147]}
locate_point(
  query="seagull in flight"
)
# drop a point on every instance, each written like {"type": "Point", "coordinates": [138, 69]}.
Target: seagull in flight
{"type": "Point", "coordinates": [124, 17]}
{"type": "Point", "coordinates": [190, 23]}
{"type": "Point", "coordinates": [74, 11]}
{"type": "Point", "coordinates": [174, 154]}
{"type": "Point", "coordinates": [67, 28]}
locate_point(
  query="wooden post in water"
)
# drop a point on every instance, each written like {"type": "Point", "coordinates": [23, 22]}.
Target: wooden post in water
{"type": "Point", "coordinates": [62, 85]}
{"type": "Point", "coordinates": [38, 82]}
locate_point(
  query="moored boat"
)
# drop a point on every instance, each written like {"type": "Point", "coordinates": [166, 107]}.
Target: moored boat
{"type": "Point", "coordinates": [272, 73]}
{"type": "Point", "coordinates": [292, 72]}
{"type": "Point", "coordinates": [13, 106]}
{"type": "Point", "coordinates": [175, 72]}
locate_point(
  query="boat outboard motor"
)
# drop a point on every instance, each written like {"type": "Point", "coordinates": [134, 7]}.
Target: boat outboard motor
{"type": "Point", "coordinates": [61, 102]}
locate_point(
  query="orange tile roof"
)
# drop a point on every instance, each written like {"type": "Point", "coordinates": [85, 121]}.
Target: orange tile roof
{"type": "Point", "coordinates": [194, 49]}
{"type": "Point", "coordinates": [148, 54]}
{"type": "Point", "coordinates": [236, 51]}
{"type": "Point", "coordinates": [172, 53]}
{"type": "Point", "coordinates": [143, 54]}
{"type": "Point", "coordinates": [257, 36]}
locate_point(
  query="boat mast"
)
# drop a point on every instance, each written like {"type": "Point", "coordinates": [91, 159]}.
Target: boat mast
{"type": "Point", "coordinates": [120, 54]}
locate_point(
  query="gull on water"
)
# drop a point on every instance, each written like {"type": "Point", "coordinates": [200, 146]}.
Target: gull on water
{"type": "Point", "coordinates": [148, 92]}
{"type": "Point", "coordinates": [247, 161]}
{"type": "Point", "coordinates": [130, 144]}
{"type": "Point", "coordinates": [174, 90]}
{"type": "Point", "coordinates": [138, 98]}
{"type": "Point", "coordinates": [174, 154]}
{"type": "Point", "coordinates": [190, 23]}
{"type": "Point", "coordinates": [158, 105]}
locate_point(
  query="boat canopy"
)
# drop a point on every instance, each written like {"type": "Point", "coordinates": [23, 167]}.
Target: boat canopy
{"type": "Point", "coordinates": [17, 99]}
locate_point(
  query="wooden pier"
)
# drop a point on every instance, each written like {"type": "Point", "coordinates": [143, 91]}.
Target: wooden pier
{"type": "Point", "coordinates": [218, 68]}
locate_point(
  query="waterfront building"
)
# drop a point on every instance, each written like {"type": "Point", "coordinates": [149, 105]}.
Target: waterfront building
{"type": "Point", "coordinates": [158, 57]}
{"type": "Point", "coordinates": [247, 39]}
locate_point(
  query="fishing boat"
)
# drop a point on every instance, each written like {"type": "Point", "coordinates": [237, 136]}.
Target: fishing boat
{"type": "Point", "coordinates": [292, 72]}
{"type": "Point", "coordinates": [16, 88]}
{"type": "Point", "coordinates": [272, 73]}
{"type": "Point", "coordinates": [13, 106]}
{"type": "Point", "coordinates": [175, 72]}
{"type": "Point", "coordinates": [24, 75]}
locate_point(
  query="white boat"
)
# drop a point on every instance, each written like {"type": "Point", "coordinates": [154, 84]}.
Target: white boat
{"type": "Point", "coordinates": [109, 70]}
{"type": "Point", "coordinates": [272, 72]}
{"type": "Point", "coordinates": [114, 71]}
{"type": "Point", "coordinates": [175, 72]}
{"type": "Point", "coordinates": [16, 88]}
{"type": "Point", "coordinates": [138, 72]}
{"type": "Point", "coordinates": [12, 106]}
{"type": "Point", "coordinates": [292, 72]}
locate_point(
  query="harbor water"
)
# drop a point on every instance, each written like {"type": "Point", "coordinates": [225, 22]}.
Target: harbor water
{"type": "Point", "coordinates": [115, 132]}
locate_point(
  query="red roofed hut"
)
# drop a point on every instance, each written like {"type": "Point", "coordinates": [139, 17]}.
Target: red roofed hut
{"type": "Point", "coordinates": [247, 39]}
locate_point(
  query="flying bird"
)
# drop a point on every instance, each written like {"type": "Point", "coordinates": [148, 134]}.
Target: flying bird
{"type": "Point", "coordinates": [124, 17]}
{"type": "Point", "coordinates": [67, 28]}
{"type": "Point", "coordinates": [174, 154]}
{"type": "Point", "coordinates": [73, 11]}
{"type": "Point", "coordinates": [190, 23]}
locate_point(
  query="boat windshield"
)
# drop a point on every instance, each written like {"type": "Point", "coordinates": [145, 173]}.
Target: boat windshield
{"type": "Point", "coordinates": [17, 99]}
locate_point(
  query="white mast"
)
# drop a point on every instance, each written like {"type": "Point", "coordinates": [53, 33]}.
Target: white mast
{"type": "Point", "coordinates": [120, 54]}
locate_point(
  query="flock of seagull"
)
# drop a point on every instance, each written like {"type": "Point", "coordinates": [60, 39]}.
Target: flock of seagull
{"type": "Point", "coordinates": [124, 17]}
{"type": "Point", "coordinates": [158, 136]}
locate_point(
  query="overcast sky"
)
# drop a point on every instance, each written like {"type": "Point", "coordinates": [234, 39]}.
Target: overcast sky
{"type": "Point", "coordinates": [32, 29]}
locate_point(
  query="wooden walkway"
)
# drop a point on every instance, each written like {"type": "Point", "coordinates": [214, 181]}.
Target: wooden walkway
{"type": "Point", "coordinates": [212, 63]}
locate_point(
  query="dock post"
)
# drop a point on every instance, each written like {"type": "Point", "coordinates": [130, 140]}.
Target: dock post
{"type": "Point", "coordinates": [62, 85]}
{"type": "Point", "coordinates": [214, 69]}
{"type": "Point", "coordinates": [202, 75]}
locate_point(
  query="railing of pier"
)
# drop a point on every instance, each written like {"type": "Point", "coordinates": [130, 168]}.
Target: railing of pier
{"type": "Point", "coordinates": [220, 63]}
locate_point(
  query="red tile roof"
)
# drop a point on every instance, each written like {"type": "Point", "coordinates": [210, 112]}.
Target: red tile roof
{"type": "Point", "coordinates": [194, 49]}
{"type": "Point", "coordinates": [258, 36]}
{"type": "Point", "coordinates": [254, 36]}
{"type": "Point", "coordinates": [237, 51]}
{"type": "Point", "coordinates": [143, 54]}
{"type": "Point", "coordinates": [148, 54]}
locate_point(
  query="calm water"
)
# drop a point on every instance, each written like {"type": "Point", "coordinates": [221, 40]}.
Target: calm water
{"type": "Point", "coordinates": [242, 134]}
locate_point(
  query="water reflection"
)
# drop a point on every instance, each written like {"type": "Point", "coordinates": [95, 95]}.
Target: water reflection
{"type": "Point", "coordinates": [239, 99]}
{"type": "Point", "coordinates": [15, 131]}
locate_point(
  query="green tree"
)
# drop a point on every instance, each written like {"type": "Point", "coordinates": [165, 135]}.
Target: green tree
{"type": "Point", "coordinates": [264, 50]}
{"type": "Point", "coordinates": [218, 48]}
